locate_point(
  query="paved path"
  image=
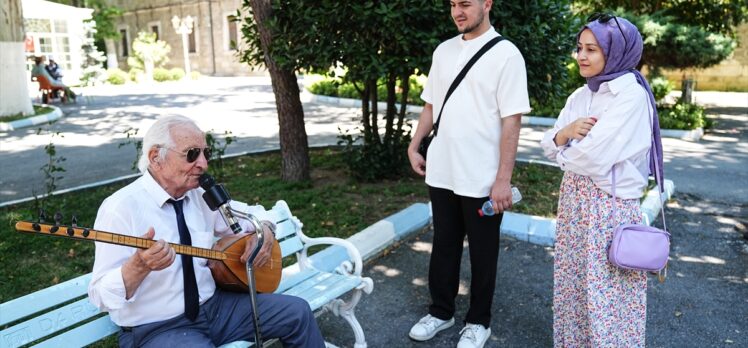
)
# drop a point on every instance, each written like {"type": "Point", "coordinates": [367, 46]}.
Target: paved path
{"type": "Point", "coordinates": [703, 303]}
{"type": "Point", "coordinates": [91, 132]}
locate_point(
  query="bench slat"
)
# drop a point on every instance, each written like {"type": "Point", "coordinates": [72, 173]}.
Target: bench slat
{"type": "Point", "coordinates": [38, 301]}
{"type": "Point", "coordinates": [290, 246]}
{"type": "Point", "coordinates": [82, 335]}
{"type": "Point", "coordinates": [285, 229]}
{"type": "Point", "coordinates": [290, 281]}
{"type": "Point", "coordinates": [323, 288]}
{"type": "Point", "coordinates": [48, 323]}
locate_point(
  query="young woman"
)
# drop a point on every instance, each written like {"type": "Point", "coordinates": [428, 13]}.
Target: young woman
{"type": "Point", "coordinates": [610, 124]}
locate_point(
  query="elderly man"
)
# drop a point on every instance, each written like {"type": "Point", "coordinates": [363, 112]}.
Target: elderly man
{"type": "Point", "coordinates": [160, 299]}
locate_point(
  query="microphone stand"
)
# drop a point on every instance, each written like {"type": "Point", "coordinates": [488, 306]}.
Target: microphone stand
{"type": "Point", "coordinates": [250, 271]}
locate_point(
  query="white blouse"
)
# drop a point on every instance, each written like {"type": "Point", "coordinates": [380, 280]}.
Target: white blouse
{"type": "Point", "coordinates": [621, 137]}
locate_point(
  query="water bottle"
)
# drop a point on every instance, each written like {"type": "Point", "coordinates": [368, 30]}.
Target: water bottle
{"type": "Point", "coordinates": [487, 208]}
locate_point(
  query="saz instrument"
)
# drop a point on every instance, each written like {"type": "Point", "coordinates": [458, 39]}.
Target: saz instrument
{"type": "Point", "coordinates": [228, 271]}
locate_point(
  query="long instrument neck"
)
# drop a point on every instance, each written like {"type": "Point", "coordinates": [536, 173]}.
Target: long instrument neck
{"type": "Point", "coordinates": [113, 238]}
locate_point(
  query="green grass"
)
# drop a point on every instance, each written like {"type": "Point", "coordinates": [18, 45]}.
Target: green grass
{"type": "Point", "coordinates": [38, 110]}
{"type": "Point", "coordinates": [331, 204]}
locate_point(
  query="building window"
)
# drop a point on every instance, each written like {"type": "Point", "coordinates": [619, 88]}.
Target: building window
{"type": "Point", "coordinates": [155, 28]}
{"type": "Point", "coordinates": [191, 40]}
{"type": "Point", "coordinates": [123, 42]}
{"type": "Point", "coordinates": [233, 32]}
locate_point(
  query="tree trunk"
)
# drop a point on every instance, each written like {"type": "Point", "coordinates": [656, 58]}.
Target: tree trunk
{"type": "Point", "coordinates": [293, 138]}
{"type": "Point", "coordinates": [111, 54]}
{"type": "Point", "coordinates": [14, 92]}
{"type": "Point", "coordinates": [687, 87]}
{"type": "Point", "coordinates": [374, 120]}
{"type": "Point", "coordinates": [389, 115]}
{"type": "Point", "coordinates": [405, 81]}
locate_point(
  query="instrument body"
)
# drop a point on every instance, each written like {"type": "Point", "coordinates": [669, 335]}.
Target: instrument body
{"type": "Point", "coordinates": [224, 258]}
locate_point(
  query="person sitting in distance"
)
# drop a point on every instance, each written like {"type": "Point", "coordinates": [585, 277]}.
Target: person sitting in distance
{"type": "Point", "coordinates": [54, 69]}
{"type": "Point", "coordinates": [40, 70]}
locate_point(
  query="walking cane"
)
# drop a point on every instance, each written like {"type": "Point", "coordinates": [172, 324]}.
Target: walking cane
{"type": "Point", "coordinates": [251, 277]}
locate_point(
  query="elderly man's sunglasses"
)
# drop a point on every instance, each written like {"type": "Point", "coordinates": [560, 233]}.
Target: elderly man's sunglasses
{"type": "Point", "coordinates": [193, 153]}
{"type": "Point", "coordinates": [605, 18]}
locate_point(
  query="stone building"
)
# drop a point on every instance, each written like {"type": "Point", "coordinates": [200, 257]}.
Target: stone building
{"type": "Point", "coordinates": [209, 45]}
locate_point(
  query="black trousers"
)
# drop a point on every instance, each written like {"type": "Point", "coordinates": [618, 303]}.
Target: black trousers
{"type": "Point", "coordinates": [454, 217]}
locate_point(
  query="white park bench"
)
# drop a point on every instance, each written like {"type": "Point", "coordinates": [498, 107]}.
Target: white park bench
{"type": "Point", "coordinates": [62, 316]}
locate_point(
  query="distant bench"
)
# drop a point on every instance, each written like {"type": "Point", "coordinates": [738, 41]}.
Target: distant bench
{"type": "Point", "coordinates": [62, 316]}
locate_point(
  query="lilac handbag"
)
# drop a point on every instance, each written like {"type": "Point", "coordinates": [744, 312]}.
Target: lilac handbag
{"type": "Point", "coordinates": [638, 246]}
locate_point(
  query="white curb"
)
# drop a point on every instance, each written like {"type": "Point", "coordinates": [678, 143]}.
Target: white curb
{"type": "Point", "coordinates": [32, 121]}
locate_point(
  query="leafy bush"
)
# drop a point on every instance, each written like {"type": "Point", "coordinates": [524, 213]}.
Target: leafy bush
{"type": "Point", "coordinates": [661, 87]}
{"type": "Point", "coordinates": [551, 107]}
{"type": "Point", "coordinates": [682, 116]}
{"type": "Point", "coordinates": [161, 75]}
{"type": "Point", "coordinates": [372, 161]}
{"type": "Point", "coordinates": [176, 74]}
{"type": "Point", "coordinates": [135, 74]}
{"type": "Point", "coordinates": [194, 75]}
{"type": "Point", "coordinates": [333, 87]}
{"type": "Point", "coordinates": [116, 76]}
{"type": "Point", "coordinates": [148, 53]}
{"type": "Point", "coordinates": [328, 87]}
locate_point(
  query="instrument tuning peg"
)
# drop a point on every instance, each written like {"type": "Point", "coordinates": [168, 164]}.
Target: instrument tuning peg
{"type": "Point", "coordinates": [37, 225]}
{"type": "Point", "coordinates": [58, 219]}
{"type": "Point", "coordinates": [73, 225]}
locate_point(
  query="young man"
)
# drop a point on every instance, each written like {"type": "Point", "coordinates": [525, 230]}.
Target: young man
{"type": "Point", "coordinates": [164, 300]}
{"type": "Point", "coordinates": [470, 161]}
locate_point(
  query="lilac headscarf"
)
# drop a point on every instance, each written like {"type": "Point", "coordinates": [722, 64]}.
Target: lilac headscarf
{"type": "Point", "coordinates": [620, 60]}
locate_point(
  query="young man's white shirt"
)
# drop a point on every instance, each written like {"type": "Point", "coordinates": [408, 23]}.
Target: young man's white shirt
{"type": "Point", "coordinates": [464, 156]}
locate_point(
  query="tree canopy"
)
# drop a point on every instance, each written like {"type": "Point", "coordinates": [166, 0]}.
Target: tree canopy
{"type": "Point", "coordinates": [679, 34]}
{"type": "Point", "coordinates": [385, 42]}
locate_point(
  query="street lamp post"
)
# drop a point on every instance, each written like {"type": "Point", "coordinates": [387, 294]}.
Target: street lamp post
{"type": "Point", "coordinates": [184, 26]}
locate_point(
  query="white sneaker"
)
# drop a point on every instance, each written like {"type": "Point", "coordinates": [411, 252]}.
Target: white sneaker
{"type": "Point", "coordinates": [473, 336]}
{"type": "Point", "coordinates": [428, 326]}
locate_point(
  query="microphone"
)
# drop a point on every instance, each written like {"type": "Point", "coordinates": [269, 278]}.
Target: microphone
{"type": "Point", "coordinates": [218, 198]}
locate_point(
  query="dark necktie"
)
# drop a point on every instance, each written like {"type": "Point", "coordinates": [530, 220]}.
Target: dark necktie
{"type": "Point", "coordinates": [191, 300]}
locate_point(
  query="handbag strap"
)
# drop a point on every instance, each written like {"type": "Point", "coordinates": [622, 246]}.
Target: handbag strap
{"type": "Point", "coordinates": [462, 74]}
{"type": "Point", "coordinates": [658, 180]}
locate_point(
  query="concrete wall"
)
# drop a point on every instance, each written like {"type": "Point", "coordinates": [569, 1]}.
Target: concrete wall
{"type": "Point", "coordinates": [213, 55]}
{"type": "Point", "coordinates": [730, 75]}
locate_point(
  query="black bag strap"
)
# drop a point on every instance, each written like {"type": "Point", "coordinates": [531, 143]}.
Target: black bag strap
{"type": "Point", "coordinates": [462, 74]}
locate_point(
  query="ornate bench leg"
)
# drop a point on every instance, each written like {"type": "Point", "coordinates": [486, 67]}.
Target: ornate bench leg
{"type": "Point", "coordinates": [346, 310]}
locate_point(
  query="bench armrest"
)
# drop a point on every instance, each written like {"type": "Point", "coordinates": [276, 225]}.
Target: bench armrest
{"type": "Point", "coordinates": [353, 253]}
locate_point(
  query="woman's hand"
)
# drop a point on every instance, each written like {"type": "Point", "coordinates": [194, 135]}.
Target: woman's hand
{"type": "Point", "coordinates": [575, 130]}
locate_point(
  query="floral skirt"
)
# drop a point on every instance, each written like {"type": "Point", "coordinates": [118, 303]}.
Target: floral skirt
{"type": "Point", "coordinates": [595, 304]}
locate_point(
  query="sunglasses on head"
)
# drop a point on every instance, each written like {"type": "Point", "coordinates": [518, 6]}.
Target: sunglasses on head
{"type": "Point", "coordinates": [605, 18]}
{"type": "Point", "coordinates": [193, 153]}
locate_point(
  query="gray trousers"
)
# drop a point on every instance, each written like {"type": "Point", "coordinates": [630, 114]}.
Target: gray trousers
{"type": "Point", "coordinates": [227, 317]}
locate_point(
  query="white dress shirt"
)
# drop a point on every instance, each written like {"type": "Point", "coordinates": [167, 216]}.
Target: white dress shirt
{"type": "Point", "coordinates": [131, 211]}
{"type": "Point", "coordinates": [621, 137]}
{"type": "Point", "coordinates": [464, 156]}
